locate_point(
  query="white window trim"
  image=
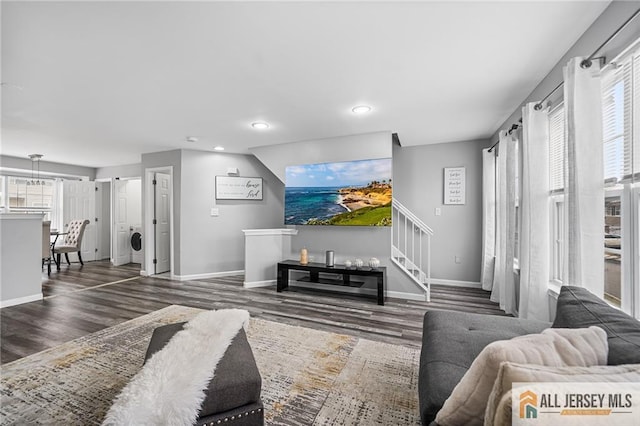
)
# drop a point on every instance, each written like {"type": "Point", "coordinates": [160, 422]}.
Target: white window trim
{"type": "Point", "coordinates": [556, 253]}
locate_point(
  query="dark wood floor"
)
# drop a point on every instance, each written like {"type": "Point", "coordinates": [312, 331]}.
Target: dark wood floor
{"type": "Point", "coordinates": [79, 301]}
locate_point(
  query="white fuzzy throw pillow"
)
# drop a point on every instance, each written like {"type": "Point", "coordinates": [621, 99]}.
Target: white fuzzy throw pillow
{"type": "Point", "coordinates": [170, 388]}
{"type": "Point", "coordinates": [555, 347]}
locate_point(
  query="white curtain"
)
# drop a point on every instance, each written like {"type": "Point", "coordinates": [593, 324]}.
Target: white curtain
{"type": "Point", "coordinates": [503, 291]}
{"type": "Point", "coordinates": [534, 239]}
{"type": "Point", "coordinates": [584, 177]}
{"type": "Point", "coordinates": [56, 205]}
{"type": "Point", "coordinates": [488, 218]}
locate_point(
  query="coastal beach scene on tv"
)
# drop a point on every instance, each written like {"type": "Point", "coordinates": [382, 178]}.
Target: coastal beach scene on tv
{"type": "Point", "coordinates": [348, 193]}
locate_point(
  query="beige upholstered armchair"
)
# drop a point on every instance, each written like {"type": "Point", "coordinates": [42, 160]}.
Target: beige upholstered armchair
{"type": "Point", "coordinates": [72, 241]}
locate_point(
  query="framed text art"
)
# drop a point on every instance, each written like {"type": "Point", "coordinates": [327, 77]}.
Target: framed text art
{"type": "Point", "coordinates": [454, 185]}
{"type": "Point", "coordinates": [238, 188]}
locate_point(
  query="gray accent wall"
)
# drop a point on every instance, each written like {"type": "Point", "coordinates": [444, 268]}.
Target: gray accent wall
{"type": "Point", "coordinates": [216, 244]}
{"type": "Point", "coordinates": [418, 178]}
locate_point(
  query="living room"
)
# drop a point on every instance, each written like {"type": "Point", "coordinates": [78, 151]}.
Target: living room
{"type": "Point", "coordinates": [207, 246]}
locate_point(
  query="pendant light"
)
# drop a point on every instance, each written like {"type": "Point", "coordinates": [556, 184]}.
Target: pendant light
{"type": "Point", "coordinates": [35, 158]}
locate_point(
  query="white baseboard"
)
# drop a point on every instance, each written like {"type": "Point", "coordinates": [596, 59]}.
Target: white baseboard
{"type": "Point", "coordinates": [144, 273]}
{"type": "Point", "coordinates": [207, 275]}
{"type": "Point", "coordinates": [20, 300]}
{"type": "Point", "coordinates": [455, 283]}
{"type": "Point", "coordinates": [358, 290]}
{"type": "Point", "coordinates": [407, 296]}
{"type": "Point", "coordinates": [253, 284]}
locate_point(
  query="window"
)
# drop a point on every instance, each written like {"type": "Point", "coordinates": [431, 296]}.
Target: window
{"type": "Point", "coordinates": [621, 154]}
{"type": "Point", "coordinates": [3, 203]}
{"type": "Point", "coordinates": [28, 196]}
{"type": "Point", "coordinates": [518, 192]}
{"type": "Point", "coordinates": [557, 239]}
{"type": "Point", "coordinates": [557, 140]}
{"type": "Point", "coordinates": [621, 150]}
{"type": "Point", "coordinates": [613, 247]}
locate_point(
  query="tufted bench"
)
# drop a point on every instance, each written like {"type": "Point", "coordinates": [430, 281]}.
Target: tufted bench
{"type": "Point", "coordinates": [233, 395]}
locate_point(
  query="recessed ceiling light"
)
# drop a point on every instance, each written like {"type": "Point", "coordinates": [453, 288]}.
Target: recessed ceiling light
{"type": "Point", "coordinates": [192, 139]}
{"type": "Point", "coordinates": [260, 125]}
{"type": "Point", "coordinates": [218, 148]}
{"type": "Point", "coordinates": [361, 109]}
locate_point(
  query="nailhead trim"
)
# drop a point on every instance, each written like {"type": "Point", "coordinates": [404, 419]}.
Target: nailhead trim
{"type": "Point", "coordinates": [226, 419]}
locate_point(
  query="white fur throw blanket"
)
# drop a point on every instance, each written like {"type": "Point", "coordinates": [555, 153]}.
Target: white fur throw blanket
{"type": "Point", "coordinates": [170, 388]}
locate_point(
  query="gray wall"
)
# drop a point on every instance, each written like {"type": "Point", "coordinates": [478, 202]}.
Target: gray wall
{"type": "Point", "coordinates": [128, 171]}
{"type": "Point", "coordinates": [8, 162]}
{"type": "Point", "coordinates": [104, 227]}
{"type": "Point", "coordinates": [343, 148]}
{"type": "Point", "coordinates": [418, 184]}
{"type": "Point", "coordinates": [216, 244]}
{"type": "Point", "coordinates": [20, 254]}
{"type": "Point", "coordinates": [606, 24]}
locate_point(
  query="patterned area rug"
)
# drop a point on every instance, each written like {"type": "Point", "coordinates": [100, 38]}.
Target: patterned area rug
{"type": "Point", "coordinates": [308, 376]}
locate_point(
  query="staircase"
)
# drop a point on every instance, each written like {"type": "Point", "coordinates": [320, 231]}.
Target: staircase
{"type": "Point", "coordinates": [411, 246]}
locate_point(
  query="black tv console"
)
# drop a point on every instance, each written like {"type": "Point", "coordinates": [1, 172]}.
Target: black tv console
{"type": "Point", "coordinates": [315, 269]}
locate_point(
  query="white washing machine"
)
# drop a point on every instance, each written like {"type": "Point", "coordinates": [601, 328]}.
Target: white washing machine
{"type": "Point", "coordinates": [135, 242]}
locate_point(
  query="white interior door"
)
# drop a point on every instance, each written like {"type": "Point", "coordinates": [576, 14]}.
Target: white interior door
{"type": "Point", "coordinates": [121, 249]}
{"type": "Point", "coordinates": [79, 202]}
{"type": "Point", "coordinates": [103, 214]}
{"type": "Point", "coordinates": [162, 195]}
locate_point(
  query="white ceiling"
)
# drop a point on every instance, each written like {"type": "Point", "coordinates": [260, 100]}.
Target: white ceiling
{"type": "Point", "coordinates": [99, 83]}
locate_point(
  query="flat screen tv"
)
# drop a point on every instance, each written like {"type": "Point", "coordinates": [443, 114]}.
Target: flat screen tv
{"type": "Point", "coordinates": [348, 193]}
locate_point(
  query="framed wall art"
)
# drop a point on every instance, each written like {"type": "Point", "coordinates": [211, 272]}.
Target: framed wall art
{"type": "Point", "coordinates": [454, 185]}
{"type": "Point", "coordinates": [238, 188]}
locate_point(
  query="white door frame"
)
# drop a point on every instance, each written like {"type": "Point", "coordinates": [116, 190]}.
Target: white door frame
{"type": "Point", "coordinates": [149, 238]}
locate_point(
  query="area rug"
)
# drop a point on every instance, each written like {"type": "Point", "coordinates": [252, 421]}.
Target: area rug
{"type": "Point", "coordinates": [308, 376]}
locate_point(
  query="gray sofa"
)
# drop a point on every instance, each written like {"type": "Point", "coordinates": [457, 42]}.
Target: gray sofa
{"type": "Point", "coordinates": [452, 340]}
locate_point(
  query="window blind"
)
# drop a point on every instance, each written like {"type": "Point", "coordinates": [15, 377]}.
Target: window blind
{"type": "Point", "coordinates": [556, 148]}
{"type": "Point", "coordinates": [635, 113]}
{"type": "Point", "coordinates": [620, 95]}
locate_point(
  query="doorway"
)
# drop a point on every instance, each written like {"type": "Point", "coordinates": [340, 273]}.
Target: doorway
{"type": "Point", "coordinates": [127, 219]}
{"type": "Point", "coordinates": [103, 214]}
{"type": "Point", "coordinates": [158, 215]}
{"type": "Point", "coordinates": [79, 201]}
